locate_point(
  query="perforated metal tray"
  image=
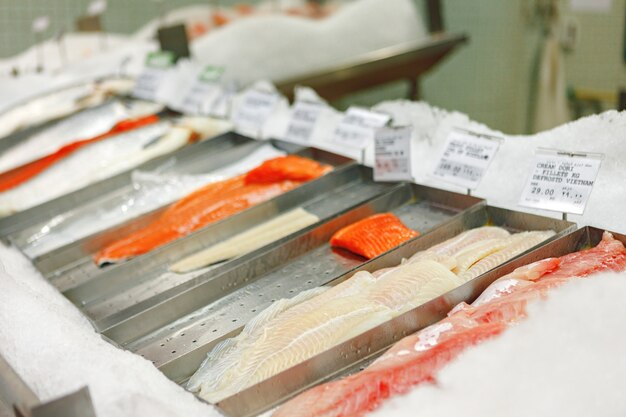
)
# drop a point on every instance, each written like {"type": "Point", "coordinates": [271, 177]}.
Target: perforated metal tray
{"type": "Point", "coordinates": [356, 353]}
{"type": "Point", "coordinates": [71, 265]}
{"type": "Point", "coordinates": [178, 347]}
{"type": "Point", "coordinates": [178, 331]}
{"type": "Point", "coordinates": [142, 280]}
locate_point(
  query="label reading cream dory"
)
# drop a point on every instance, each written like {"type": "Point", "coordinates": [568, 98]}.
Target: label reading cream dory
{"type": "Point", "coordinates": [561, 181]}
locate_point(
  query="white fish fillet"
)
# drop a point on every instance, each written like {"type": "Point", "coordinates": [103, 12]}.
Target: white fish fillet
{"type": "Point", "coordinates": [248, 241]}
{"type": "Point", "coordinates": [518, 243]}
{"type": "Point", "coordinates": [352, 307]}
{"type": "Point", "coordinates": [83, 125]}
{"type": "Point", "coordinates": [59, 104]}
{"type": "Point", "coordinates": [452, 246]}
{"type": "Point", "coordinates": [413, 284]}
{"type": "Point", "coordinates": [151, 191]}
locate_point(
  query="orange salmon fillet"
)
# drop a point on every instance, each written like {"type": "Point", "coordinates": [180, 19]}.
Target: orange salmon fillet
{"type": "Point", "coordinates": [373, 235]}
{"type": "Point", "coordinates": [202, 207]}
{"type": "Point", "coordinates": [290, 167]}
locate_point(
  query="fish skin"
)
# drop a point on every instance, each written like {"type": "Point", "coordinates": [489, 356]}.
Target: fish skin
{"type": "Point", "coordinates": [410, 362]}
{"type": "Point", "coordinates": [373, 235]}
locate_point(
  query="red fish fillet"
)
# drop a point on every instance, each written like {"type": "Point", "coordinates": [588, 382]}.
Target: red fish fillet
{"type": "Point", "coordinates": [373, 235]}
{"type": "Point", "coordinates": [204, 206]}
{"type": "Point", "coordinates": [417, 358]}
{"type": "Point", "coordinates": [21, 174]}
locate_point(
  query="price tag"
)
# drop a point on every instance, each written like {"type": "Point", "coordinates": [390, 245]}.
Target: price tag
{"type": "Point", "coordinates": [253, 111]}
{"type": "Point", "coordinates": [358, 126]}
{"type": "Point", "coordinates": [561, 181]}
{"type": "Point", "coordinates": [157, 68]}
{"type": "Point", "coordinates": [465, 158]}
{"type": "Point", "coordinates": [393, 154]}
{"type": "Point", "coordinates": [204, 92]}
{"type": "Point", "coordinates": [40, 24]}
{"type": "Point", "coordinates": [303, 120]}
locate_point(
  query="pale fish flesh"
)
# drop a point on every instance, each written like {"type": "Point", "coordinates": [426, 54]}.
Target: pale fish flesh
{"type": "Point", "coordinates": [248, 241]}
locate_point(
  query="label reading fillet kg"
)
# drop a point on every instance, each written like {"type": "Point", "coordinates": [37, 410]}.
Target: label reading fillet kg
{"type": "Point", "coordinates": [561, 181]}
{"type": "Point", "coordinates": [303, 120]}
{"type": "Point", "coordinates": [465, 158]}
{"type": "Point", "coordinates": [157, 68]}
{"type": "Point", "coordinates": [255, 108]}
{"type": "Point", "coordinates": [393, 154]}
{"type": "Point", "coordinates": [358, 126]}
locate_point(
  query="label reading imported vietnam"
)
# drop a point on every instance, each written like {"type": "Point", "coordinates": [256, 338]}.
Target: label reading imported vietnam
{"type": "Point", "coordinates": [303, 120]}
{"type": "Point", "coordinates": [358, 126]}
{"type": "Point", "coordinates": [465, 158]}
{"type": "Point", "coordinates": [253, 111]}
{"type": "Point", "coordinates": [204, 92]}
{"type": "Point", "coordinates": [393, 154]}
{"type": "Point", "coordinates": [157, 68]}
{"type": "Point", "coordinates": [561, 181]}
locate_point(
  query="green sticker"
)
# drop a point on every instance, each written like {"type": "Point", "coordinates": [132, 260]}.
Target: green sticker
{"type": "Point", "coordinates": [160, 59]}
{"type": "Point", "coordinates": [211, 74]}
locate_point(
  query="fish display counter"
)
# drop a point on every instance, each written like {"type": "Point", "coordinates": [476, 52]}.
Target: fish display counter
{"type": "Point", "coordinates": [69, 265]}
{"type": "Point", "coordinates": [358, 375]}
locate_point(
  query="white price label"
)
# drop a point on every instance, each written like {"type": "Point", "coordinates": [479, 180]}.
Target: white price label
{"type": "Point", "coordinates": [40, 24]}
{"type": "Point", "coordinates": [393, 154]}
{"type": "Point", "coordinates": [358, 126]}
{"type": "Point", "coordinates": [560, 182]}
{"type": "Point", "coordinates": [303, 120]}
{"type": "Point", "coordinates": [203, 93]}
{"type": "Point", "coordinates": [465, 158]}
{"type": "Point", "coordinates": [157, 68]}
{"type": "Point", "coordinates": [253, 111]}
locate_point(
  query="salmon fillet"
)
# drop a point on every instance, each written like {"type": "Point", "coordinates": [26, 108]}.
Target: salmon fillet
{"type": "Point", "coordinates": [207, 205]}
{"type": "Point", "coordinates": [373, 235]}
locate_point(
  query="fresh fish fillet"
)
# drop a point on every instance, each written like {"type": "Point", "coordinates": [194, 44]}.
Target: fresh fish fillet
{"type": "Point", "coordinates": [91, 164]}
{"type": "Point", "coordinates": [248, 241]}
{"type": "Point", "coordinates": [151, 190]}
{"type": "Point", "coordinates": [279, 348]}
{"type": "Point", "coordinates": [411, 285]}
{"type": "Point", "coordinates": [417, 358]}
{"type": "Point", "coordinates": [19, 175]}
{"type": "Point", "coordinates": [373, 235]}
{"type": "Point", "coordinates": [516, 245]}
{"type": "Point", "coordinates": [453, 246]}
{"type": "Point", "coordinates": [207, 205]}
{"type": "Point", "coordinates": [219, 360]}
{"type": "Point", "coordinates": [59, 104]}
{"type": "Point", "coordinates": [290, 167]}
{"type": "Point", "coordinates": [88, 123]}
{"type": "Point", "coordinates": [477, 251]}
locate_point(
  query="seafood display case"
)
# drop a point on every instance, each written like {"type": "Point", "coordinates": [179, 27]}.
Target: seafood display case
{"type": "Point", "coordinates": [355, 354]}
{"type": "Point", "coordinates": [72, 265]}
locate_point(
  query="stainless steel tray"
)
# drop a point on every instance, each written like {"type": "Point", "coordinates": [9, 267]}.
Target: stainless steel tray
{"type": "Point", "coordinates": [72, 265]}
{"type": "Point", "coordinates": [143, 279]}
{"type": "Point", "coordinates": [178, 347]}
{"type": "Point", "coordinates": [175, 332]}
{"type": "Point", "coordinates": [353, 355]}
